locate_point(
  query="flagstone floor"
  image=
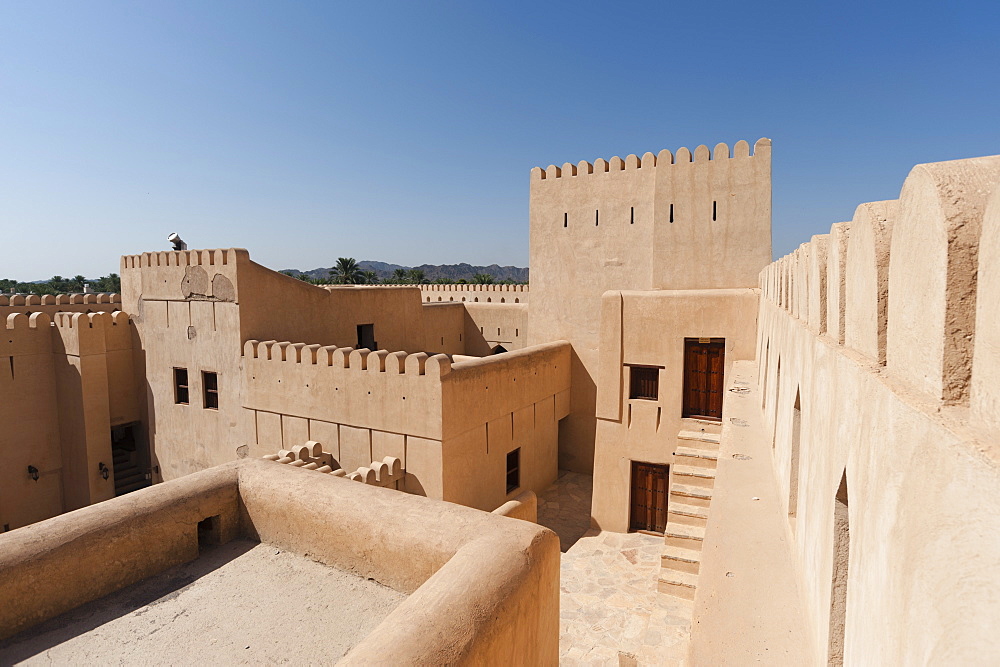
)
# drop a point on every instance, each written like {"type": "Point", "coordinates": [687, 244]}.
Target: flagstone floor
{"type": "Point", "coordinates": [611, 612]}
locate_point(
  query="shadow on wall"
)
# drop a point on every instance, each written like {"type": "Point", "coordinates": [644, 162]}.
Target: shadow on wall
{"type": "Point", "coordinates": [475, 341]}
{"type": "Point", "coordinates": [578, 431]}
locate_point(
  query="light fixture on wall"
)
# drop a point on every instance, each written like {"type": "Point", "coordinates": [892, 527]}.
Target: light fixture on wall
{"type": "Point", "coordinates": [103, 469]}
{"type": "Point", "coordinates": [33, 473]}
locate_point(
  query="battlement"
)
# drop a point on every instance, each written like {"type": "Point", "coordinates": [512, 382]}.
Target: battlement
{"type": "Point", "coordinates": [90, 320]}
{"type": "Point", "coordinates": [897, 285]}
{"type": "Point", "coordinates": [310, 456]}
{"type": "Point", "coordinates": [475, 293]}
{"type": "Point", "coordinates": [80, 333]}
{"type": "Point", "coordinates": [349, 358]}
{"type": "Point", "coordinates": [469, 287]}
{"type": "Point", "coordinates": [683, 156]}
{"type": "Point", "coordinates": [58, 299]}
{"type": "Point", "coordinates": [211, 257]}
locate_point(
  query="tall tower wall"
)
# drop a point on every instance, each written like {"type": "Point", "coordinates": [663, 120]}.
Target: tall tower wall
{"type": "Point", "coordinates": [667, 221]}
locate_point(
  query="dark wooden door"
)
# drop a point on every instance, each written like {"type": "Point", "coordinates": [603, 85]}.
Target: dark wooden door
{"type": "Point", "coordinates": [704, 362]}
{"type": "Point", "coordinates": [649, 497]}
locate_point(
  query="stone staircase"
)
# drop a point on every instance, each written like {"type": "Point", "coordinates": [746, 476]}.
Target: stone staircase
{"type": "Point", "coordinates": [692, 481]}
{"type": "Point", "coordinates": [129, 476]}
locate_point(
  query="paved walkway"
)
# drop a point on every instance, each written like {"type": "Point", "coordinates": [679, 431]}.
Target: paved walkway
{"type": "Point", "coordinates": [611, 612]}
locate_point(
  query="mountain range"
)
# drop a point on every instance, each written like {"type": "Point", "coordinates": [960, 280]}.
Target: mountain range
{"type": "Point", "coordinates": [432, 272]}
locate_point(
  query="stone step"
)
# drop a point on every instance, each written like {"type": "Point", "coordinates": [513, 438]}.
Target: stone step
{"type": "Point", "coordinates": [690, 495]}
{"type": "Point", "coordinates": [694, 455]}
{"type": "Point", "coordinates": [681, 559]}
{"type": "Point", "coordinates": [680, 584]}
{"type": "Point", "coordinates": [684, 536]}
{"type": "Point", "coordinates": [703, 440]}
{"type": "Point", "coordinates": [707, 425]}
{"type": "Point", "coordinates": [694, 476]}
{"type": "Point", "coordinates": [692, 515]}
{"type": "Point", "coordinates": [689, 510]}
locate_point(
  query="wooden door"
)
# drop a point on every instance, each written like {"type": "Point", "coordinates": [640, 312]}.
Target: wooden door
{"type": "Point", "coordinates": [704, 364]}
{"type": "Point", "coordinates": [649, 497]}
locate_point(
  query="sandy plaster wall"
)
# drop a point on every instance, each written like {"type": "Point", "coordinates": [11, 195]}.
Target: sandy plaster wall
{"type": "Point", "coordinates": [645, 430]}
{"type": "Point", "coordinates": [985, 391]}
{"type": "Point", "coordinates": [934, 254]}
{"type": "Point", "coordinates": [919, 488]}
{"type": "Point", "coordinates": [607, 226]}
{"type": "Point", "coordinates": [483, 589]}
{"type": "Point", "coordinates": [867, 279]}
{"type": "Point", "coordinates": [64, 385]}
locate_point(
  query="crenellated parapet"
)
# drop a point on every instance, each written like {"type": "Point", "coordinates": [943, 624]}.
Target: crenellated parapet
{"type": "Point", "coordinates": [348, 358]}
{"type": "Point", "coordinates": [211, 257]}
{"type": "Point", "coordinates": [904, 283]}
{"type": "Point", "coordinates": [93, 333]}
{"type": "Point", "coordinates": [674, 220]}
{"type": "Point", "coordinates": [185, 275]}
{"type": "Point", "coordinates": [474, 293]}
{"type": "Point", "coordinates": [397, 392]}
{"type": "Point", "coordinates": [26, 335]}
{"type": "Point", "coordinates": [58, 299]}
{"type": "Point", "coordinates": [310, 456]}
{"type": "Point", "coordinates": [664, 159]}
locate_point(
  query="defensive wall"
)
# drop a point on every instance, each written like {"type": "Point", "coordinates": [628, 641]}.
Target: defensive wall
{"type": "Point", "coordinates": [66, 382]}
{"type": "Point", "coordinates": [50, 304]}
{"type": "Point", "coordinates": [475, 329]}
{"type": "Point", "coordinates": [878, 350]}
{"type": "Point", "coordinates": [474, 293]}
{"type": "Point", "coordinates": [659, 222]}
{"type": "Point", "coordinates": [480, 588]}
{"type": "Point", "coordinates": [451, 425]}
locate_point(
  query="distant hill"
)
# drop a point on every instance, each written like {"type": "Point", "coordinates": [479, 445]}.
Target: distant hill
{"type": "Point", "coordinates": [432, 272]}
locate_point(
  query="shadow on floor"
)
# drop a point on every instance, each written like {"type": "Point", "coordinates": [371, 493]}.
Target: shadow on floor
{"type": "Point", "coordinates": [564, 507]}
{"type": "Point", "coordinates": [148, 592]}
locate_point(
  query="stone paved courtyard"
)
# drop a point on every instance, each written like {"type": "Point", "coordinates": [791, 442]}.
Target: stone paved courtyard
{"type": "Point", "coordinates": [611, 612]}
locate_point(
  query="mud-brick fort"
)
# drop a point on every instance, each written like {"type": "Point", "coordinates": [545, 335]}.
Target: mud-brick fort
{"type": "Point", "coordinates": [670, 450]}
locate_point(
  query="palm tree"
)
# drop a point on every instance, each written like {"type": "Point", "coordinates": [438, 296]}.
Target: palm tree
{"type": "Point", "coordinates": [416, 276]}
{"type": "Point", "coordinates": [482, 279]}
{"type": "Point", "coordinates": [346, 272]}
{"type": "Point", "coordinates": [369, 278]}
{"type": "Point", "coordinates": [400, 276]}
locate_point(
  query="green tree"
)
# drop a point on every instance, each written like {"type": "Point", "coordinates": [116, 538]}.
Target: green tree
{"type": "Point", "coordinates": [417, 276]}
{"type": "Point", "coordinates": [482, 279]}
{"type": "Point", "coordinates": [369, 278]}
{"type": "Point", "coordinates": [400, 276]}
{"type": "Point", "coordinates": [109, 283]}
{"type": "Point", "coordinates": [346, 272]}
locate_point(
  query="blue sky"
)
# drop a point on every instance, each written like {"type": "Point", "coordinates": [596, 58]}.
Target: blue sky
{"type": "Point", "coordinates": [405, 132]}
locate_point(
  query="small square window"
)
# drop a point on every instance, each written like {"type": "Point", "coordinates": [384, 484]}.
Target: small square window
{"type": "Point", "coordinates": [644, 382]}
{"type": "Point", "coordinates": [181, 386]}
{"type": "Point", "coordinates": [210, 383]}
{"type": "Point", "coordinates": [514, 470]}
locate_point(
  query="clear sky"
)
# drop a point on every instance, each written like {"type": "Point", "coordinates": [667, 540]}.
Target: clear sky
{"type": "Point", "coordinates": [405, 132]}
